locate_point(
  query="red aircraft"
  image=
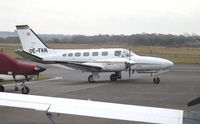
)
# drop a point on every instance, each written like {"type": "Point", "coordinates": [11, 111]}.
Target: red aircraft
{"type": "Point", "coordinates": [11, 66]}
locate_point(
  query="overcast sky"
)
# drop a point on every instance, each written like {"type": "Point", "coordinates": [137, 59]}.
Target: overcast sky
{"type": "Point", "coordinates": [90, 17]}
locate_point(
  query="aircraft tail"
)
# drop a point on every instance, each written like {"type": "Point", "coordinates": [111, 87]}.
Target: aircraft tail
{"type": "Point", "coordinates": [31, 43]}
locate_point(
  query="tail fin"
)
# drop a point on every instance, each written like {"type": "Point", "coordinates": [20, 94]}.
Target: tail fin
{"type": "Point", "coordinates": [31, 43]}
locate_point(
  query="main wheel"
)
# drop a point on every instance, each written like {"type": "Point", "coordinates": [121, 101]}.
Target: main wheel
{"type": "Point", "coordinates": [25, 90]}
{"type": "Point", "coordinates": [156, 80]}
{"type": "Point", "coordinates": [91, 79]}
{"type": "Point", "coordinates": [113, 77]}
{"type": "Point", "coordinates": [1, 88]}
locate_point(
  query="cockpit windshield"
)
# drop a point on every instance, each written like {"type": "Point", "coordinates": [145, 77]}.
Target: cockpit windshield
{"type": "Point", "coordinates": [123, 53]}
{"type": "Point", "coordinates": [127, 53]}
{"type": "Point", "coordinates": [118, 53]}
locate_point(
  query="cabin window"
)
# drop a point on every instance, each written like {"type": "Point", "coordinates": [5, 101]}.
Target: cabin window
{"type": "Point", "coordinates": [95, 54]}
{"type": "Point", "coordinates": [77, 54]}
{"type": "Point", "coordinates": [64, 55]}
{"type": "Point", "coordinates": [86, 54]}
{"type": "Point", "coordinates": [70, 54]}
{"type": "Point", "coordinates": [117, 53]}
{"type": "Point", "coordinates": [105, 53]}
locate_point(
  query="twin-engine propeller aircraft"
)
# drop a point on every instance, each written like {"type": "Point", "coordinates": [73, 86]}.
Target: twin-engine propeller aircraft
{"type": "Point", "coordinates": [11, 69]}
{"type": "Point", "coordinates": [92, 60]}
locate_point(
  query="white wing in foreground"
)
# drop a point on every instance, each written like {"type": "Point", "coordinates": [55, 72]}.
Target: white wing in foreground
{"type": "Point", "coordinates": [92, 108]}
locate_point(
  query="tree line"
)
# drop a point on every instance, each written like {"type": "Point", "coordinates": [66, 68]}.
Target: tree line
{"type": "Point", "coordinates": [144, 39]}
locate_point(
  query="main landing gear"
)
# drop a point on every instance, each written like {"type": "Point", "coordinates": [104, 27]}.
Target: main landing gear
{"type": "Point", "coordinates": [92, 78]}
{"type": "Point", "coordinates": [113, 77]}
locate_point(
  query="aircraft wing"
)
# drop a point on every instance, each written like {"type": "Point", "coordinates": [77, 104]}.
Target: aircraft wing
{"type": "Point", "coordinates": [92, 67]}
{"type": "Point", "coordinates": [92, 108]}
{"type": "Point", "coordinates": [74, 65]}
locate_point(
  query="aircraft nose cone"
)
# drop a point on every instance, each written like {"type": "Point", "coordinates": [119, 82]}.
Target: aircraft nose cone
{"type": "Point", "coordinates": [39, 69]}
{"type": "Point", "coordinates": [169, 63]}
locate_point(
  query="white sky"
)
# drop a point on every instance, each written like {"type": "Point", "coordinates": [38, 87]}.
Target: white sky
{"type": "Point", "coordinates": [89, 17]}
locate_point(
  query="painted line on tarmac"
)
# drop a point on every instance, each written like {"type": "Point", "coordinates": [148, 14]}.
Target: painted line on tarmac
{"type": "Point", "coordinates": [30, 82]}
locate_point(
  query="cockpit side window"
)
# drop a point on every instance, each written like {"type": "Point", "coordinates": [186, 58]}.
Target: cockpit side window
{"type": "Point", "coordinates": [117, 53]}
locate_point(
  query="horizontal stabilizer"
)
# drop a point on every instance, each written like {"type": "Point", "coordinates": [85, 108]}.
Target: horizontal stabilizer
{"type": "Point", "coordinates": [31, 57]}
{"type": "Point", "coordinates": [28, 55]}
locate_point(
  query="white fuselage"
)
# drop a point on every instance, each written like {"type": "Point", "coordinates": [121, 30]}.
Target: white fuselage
{"type": "Point", "coordinates": [112, 59]}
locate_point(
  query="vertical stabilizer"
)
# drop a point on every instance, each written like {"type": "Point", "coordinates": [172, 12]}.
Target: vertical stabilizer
{"type": "Point", "coordinates": [31, 43]}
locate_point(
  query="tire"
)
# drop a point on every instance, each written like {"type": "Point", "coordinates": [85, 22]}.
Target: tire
{"type": "Point", "coordinates": [156, 80]}
{"type": "Point", "coordinates": [113, 77]}
{"type": "Point", "coordinates": [25, 90]}
{"type": "Point", "coordinates": [91, 79]}
{"type": "Point", "coordinates": [1, 88]}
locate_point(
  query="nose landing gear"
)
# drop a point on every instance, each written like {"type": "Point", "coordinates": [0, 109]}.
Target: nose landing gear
{"type": "Point", "coordinates": [156, 80]}
{"type": "Point", "coordinates": [25, 89]}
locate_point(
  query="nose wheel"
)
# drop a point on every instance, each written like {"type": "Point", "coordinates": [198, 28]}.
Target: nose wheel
{"type": "Point", "coordinates": [25, 89]}
{"type": "Point", "coordinates": [156, 80]}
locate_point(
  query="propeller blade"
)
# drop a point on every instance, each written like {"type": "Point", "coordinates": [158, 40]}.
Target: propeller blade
{"type": "Point", "coordinates": [194, 102]}
{"type": "Point", "coordinates": [129, 63]}
{"type": "Point", "coordinates": [129, 72]}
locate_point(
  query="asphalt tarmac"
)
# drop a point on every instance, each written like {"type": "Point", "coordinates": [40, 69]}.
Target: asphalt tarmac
{"type": "Point", "coordinates": [176, 89]}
